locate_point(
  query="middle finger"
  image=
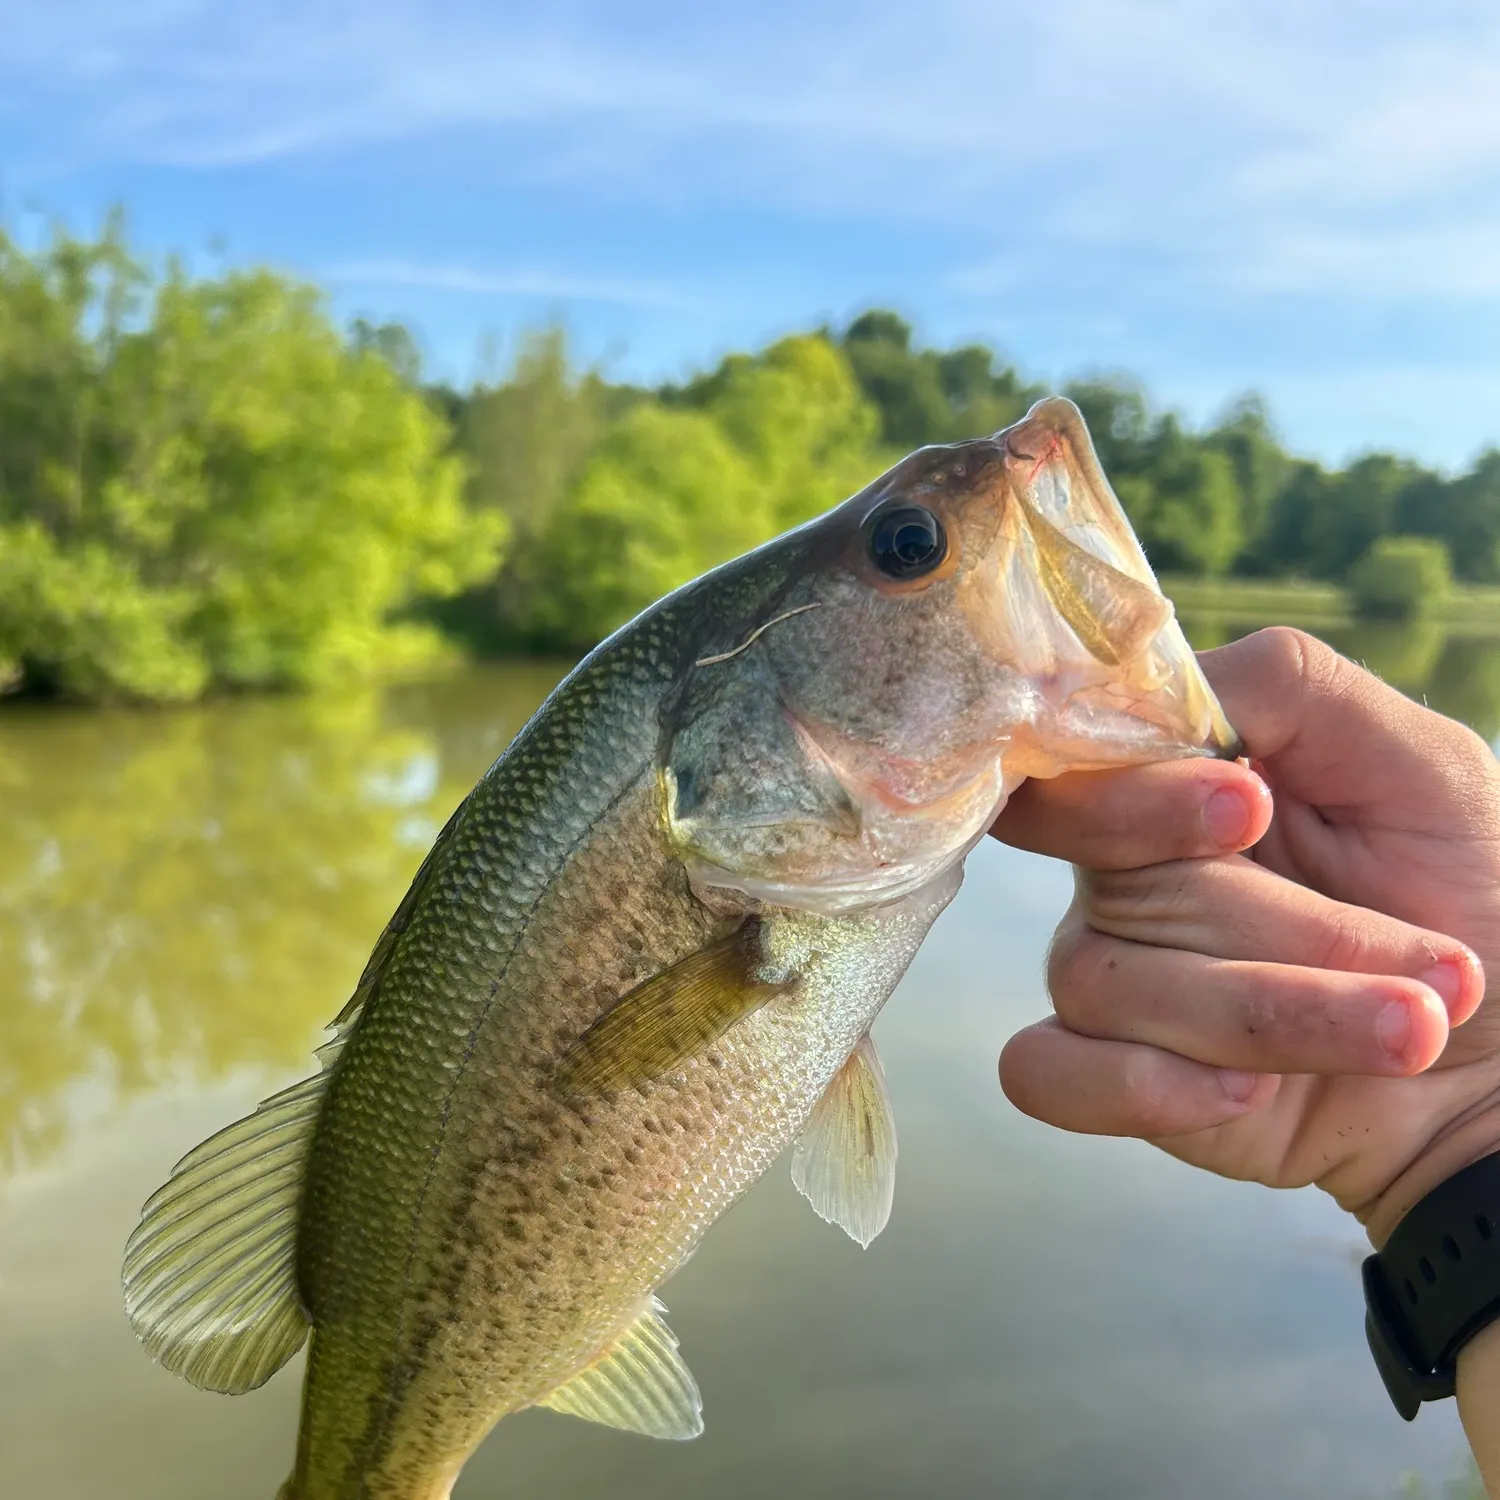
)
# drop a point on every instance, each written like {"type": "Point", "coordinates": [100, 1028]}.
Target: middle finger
{"type": "Point", "coordinates": [1257, 1016]}
{"type": "Point", "coordinates": [1235, 909]}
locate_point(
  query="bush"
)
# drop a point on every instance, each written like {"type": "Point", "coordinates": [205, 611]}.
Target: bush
{"type": "Point", "coordinates": [202, 485]}
{"type": "Point", "coordinates": [1400, 578]}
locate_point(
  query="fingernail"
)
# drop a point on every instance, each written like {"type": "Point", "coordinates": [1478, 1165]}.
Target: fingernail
{"type": "Point", "coordinates": [1226, 815]}
{"type": "Point", "coordinates": [1393, 1028]}
{"type": "Point", "coordinates": [1237, 1084]}
{"type": "Point", "coordinates": [1447, 981]}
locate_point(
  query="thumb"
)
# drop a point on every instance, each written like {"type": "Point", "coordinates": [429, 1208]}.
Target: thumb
{"type": "Point", "coordinates": [1336, 737]}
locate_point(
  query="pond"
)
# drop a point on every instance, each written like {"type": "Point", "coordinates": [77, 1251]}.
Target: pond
{"type": "Point", "coordinates": [187, 897]}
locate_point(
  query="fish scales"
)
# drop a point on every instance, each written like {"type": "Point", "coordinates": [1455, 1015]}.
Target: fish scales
{"type": "Point", "coordinates": [472, 1139]}
{"type": "Point", "coordinates": [644, 958]}
{"type": "Point", "coordinates": [578, 912]}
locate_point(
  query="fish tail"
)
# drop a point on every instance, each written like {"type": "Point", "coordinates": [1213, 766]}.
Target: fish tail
{"type": "Point", "coordinates": [295, 1489]}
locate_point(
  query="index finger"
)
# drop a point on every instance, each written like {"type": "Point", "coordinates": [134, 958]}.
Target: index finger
{"type": "Point", "coordinates": [1144, 815]}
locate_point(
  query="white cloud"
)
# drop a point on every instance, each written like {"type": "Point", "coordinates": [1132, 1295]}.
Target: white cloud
{"type": "Point", "coordinates": [522, 282]}
{"type": "Point", "coordinates": [1264, 145]}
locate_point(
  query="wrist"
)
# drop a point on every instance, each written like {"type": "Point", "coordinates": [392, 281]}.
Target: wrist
{"type": "Point", "coordinates": [1478, 1385]}
{"type": "Point", "coordinates": [1464, 1139]}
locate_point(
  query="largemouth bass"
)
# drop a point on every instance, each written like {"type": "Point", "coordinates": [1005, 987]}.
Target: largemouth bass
{"type": "Point", "coordinates": [643, 958]}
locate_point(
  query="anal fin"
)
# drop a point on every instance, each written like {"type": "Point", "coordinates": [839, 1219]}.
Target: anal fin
{"type": "Point", "coordinates": [639, 1384]}
{"type": "Point", "coordinates": [844, 1162]}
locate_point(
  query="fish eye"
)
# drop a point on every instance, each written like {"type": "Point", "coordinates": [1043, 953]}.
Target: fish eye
{"type": "Point", "coordinates": [906, 541]}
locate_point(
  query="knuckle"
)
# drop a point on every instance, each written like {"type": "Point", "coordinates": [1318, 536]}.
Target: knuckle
{"type": "Point", "coordinates": [1077, 966]}
{"type": "Point", "coordinates": [1148, 898]}
{"type": "Point", "coordinates": [1294, 655]}
{"type": "Point", "coordinates": [1353, 941]}
{"type": "Point", "coordinates": [1471, 750]}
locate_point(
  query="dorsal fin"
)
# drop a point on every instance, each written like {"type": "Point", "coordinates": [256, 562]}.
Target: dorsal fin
{"type": "Point", "coordinates": [640, 1383]}
{"type": "Point", "coordinates": [211, 1270]}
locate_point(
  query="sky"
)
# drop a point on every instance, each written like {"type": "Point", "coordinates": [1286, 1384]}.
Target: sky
{"type": "Point", "coordinates": [1216, 195]}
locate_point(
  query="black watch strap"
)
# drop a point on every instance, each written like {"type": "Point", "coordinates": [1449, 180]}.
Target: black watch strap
{"type": "Point", "coordinates": [1435, 1285]}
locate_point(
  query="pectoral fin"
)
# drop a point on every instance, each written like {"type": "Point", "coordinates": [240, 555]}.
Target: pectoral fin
{"type": "Point", "coordinates": [1114, 615]}
{"type": "Point", "coordinates": [673, 1016]}
{"type": "Point", "coordinates": [640, 1383]}
{"type": "Point", "coordinates": [844, 1163]}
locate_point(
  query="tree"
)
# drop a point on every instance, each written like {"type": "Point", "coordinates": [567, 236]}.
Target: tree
{"type": "Point", "coordinates": [1359, 506]}
{"type": "Point", "coordinates": [528, 438]}
{"type": "Point", "coordinates": [797, 414]}
{"type": "Point", "coordinates": [924, 396]}
{"type": "Point", "coordinates": [1119, 421]}
{"type": "Point", "coordinates": [1464, 513]}
{"type": "Point", "coordinates": [1179, 491]}
{"type": "Point", "coordinates": [392, 342]}
{"type": "Point", "coordinates": [1244, 435]}
{"type": "Point", "coordinates": [666, 496]}
{"type": "Point", "coordinates": [1186, 503]}
{"type": "Point", "coordinates": [758, 446]}
{"type": "Point", "coordinates": [204, 485]}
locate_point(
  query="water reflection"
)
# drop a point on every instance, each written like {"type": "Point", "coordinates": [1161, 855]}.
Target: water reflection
{"type": "Point", "coordinates": [186, 897]}
{"type": "Point", "coordinates": [186, 892]}
{"type": "Point", "coordinates": [182, 893]}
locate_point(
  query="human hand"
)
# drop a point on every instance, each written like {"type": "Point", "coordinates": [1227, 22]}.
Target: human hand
{"type": "Point", "coordinates": [1284, 1015]}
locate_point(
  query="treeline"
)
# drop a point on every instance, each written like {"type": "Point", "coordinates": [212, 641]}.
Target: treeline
{"type": "Point", "coordinates": [614, 493]}
{"type": "Point", "coordinates": [205, 484]}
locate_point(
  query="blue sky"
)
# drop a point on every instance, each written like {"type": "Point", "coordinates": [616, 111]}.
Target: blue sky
{"type": "Point", "coordinates": [1298, 198]}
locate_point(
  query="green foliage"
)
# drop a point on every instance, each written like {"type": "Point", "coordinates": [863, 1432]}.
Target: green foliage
{"type": "Point", "coordinates": [1261, 467]}
{"type": "Point", "coordinates": [1401, 578]}
{"type": "Point", "coordinates": [1464, 514]}
{"type": "Point", "coordinates": [528, 438]}
{"type": "Point", "coordinates": [925, 396]}
{"type": "Point", "coordinates": [615, 494]}
{"type": "Point", "coordinates": [666, 496]}
{"type": "Point", "coordinates": [1182, 493]}
{"type": "Point", "coordinates": [202, 485]}
{"type": "Point", "coordinates": [760, 445]}
{"type": "Point", "coordinates": [1182, 499]}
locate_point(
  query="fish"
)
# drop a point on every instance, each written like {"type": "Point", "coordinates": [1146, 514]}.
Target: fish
{"type": "Point", "coordinates": [642, 960]}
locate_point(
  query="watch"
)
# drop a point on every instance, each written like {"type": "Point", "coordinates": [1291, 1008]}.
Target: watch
{"type": "Point", "coordinates": [1435, 1285]}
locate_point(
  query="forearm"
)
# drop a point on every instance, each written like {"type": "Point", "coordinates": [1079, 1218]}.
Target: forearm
{"type": "Point", "coordinates": [1479, 1402]}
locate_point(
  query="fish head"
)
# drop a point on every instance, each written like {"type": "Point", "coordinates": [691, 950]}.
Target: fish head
{"type": "Point", "coordinates": [876, 683]}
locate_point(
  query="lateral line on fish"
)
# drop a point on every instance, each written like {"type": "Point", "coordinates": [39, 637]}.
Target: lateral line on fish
{"type": "Point", "coordinates": [750, 640]}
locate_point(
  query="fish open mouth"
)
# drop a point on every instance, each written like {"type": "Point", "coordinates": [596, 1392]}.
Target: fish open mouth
{"type": "Point", "coordinates": [1071, 601]}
